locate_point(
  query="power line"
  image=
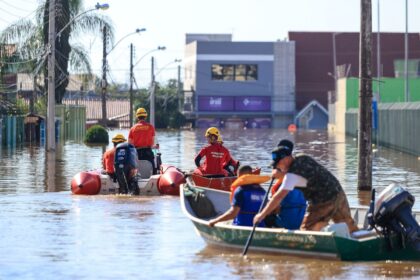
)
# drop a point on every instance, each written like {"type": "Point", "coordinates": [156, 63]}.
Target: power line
{"type": "Point", "coordinates": [15, 7]}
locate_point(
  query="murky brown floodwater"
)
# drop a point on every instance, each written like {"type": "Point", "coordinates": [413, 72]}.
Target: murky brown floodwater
{"type": "Point", "coordinates": [46, 233]}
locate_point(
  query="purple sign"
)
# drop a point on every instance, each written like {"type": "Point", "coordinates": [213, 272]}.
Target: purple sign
{"type": "Point", "coordinates": [215, 103]}
{"type": "Point", "coordinates": [253, 103]}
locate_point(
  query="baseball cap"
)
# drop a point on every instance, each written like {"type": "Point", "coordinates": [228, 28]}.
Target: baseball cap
{"type": "Point", "coordinates": [279, 153]}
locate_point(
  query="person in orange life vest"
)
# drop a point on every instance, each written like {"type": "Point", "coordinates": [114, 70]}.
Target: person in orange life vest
{"type": "Point", "coordinates": [245, 204]}
{"type": "Point", "coordinates": [109, 155]}
{"type": "Point", "coordinates": [142, 137]}
{"type": "Point", "coordinates": [232, 166]}
{"type": "Point", "coordinates": [215, 156]}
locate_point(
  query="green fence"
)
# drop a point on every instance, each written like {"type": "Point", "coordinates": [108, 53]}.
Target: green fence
{"type": "Point", "coordinates": [398, 126]}
{"type": "Point", "coordinates": [12, 130]}
{"type": "Point", "coordinates": [71, 125]}
{"type": "Point", "coordinates": [72, 121]}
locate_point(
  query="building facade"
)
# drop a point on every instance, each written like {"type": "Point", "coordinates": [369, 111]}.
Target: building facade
{"type": "Point", "coordinates": [316, 52]}
{"type": "Point", "coordinates": [238, 84]}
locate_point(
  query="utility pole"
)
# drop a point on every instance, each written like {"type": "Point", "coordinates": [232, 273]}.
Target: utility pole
{"type": "Point", "coordinates": [32, 98]}
{"type": "Point", "coordinates": [379, 74]}
{"type": "Point", "coordinates": [131, 84]}
{"type": "Point", "coordinates": [378, 54]}
{"type": "Point", "coordinates": [365, 99]}
{"type": "Point", "coordinates": [104, 82]}
{"type": "Point", "coordinates": [51, 79]}
{"type": "Point", "coordinates": [179, 89]}
{"type": "Point", "coordinates": [407, 94]}
{"type": "Point", "coordinates": [152, 94]}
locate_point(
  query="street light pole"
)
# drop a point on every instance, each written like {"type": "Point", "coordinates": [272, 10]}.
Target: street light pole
{"type": "Point", "coordinates": [104, 81]}
{"type": "Point", "coordinates": [152, 94]}
{"type": "Point", "coordinates": [131, 84]}
{"type": "Point", "coordinates": [153, 87]}
{"type": "Point", "coordinates": [51, 79]}
{"type": "Point", "coordinates": [104, 68]}
{"type": "Point", "coordinates": [52, 36]}
{"type": "Point", "coordinates": [159, 48]}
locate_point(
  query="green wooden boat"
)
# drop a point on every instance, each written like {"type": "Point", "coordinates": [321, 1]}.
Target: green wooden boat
{"type": "Point", "coordinates": [202, 204]}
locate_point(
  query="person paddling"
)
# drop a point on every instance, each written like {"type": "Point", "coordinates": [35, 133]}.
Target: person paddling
{"type": "Point", "coordinates": [323, 191]}
{"type": "Point", "coordinates": [246, 202]}
{"type": "Point", "coordinates": [291, 210]}
{"type": "Point", "coordinates": [215, 156]}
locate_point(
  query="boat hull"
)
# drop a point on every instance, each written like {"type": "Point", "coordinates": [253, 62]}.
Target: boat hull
{"type": "Point", "coordinates": [303, 243]}
{"type": "Point", "coordinates": [95, 183]}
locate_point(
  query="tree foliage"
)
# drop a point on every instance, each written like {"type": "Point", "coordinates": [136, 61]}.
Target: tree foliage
{"type": "Point", "coordinates": [167, 113]}
{"type": "Point", "coordinates": [97, 134]}
{"type": "Point", "coordinates": [31, 39]}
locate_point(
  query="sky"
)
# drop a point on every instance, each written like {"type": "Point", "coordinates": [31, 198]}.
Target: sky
{"type": "Point", "coordinates": [167, 22]}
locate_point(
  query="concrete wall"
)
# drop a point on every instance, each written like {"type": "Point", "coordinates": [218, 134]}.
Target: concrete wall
{"type": "Point", "coordinates": [337, 124]}
{"type": "Point", "coordinates": [283, 100]}
{"type": "Point", "coordinates": [398, 126]}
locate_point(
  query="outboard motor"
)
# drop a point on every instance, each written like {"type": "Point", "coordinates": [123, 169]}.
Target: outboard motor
{"type": "Point", "coordinates": [393, 213]}
{"type": "Point", "coordinates": [126, 168]}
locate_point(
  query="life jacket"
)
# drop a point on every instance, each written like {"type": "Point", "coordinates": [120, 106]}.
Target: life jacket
{"type": "Point", "coordinates": [253, 196]}
{"type": "Point", "coordinates": [247, 179]}
{"type": "Point", "coordinates": [321, 185]}
{"type": "Point", "coordinates": [276, 186]}
{"type": "Point", "coordinates": [292, 210]}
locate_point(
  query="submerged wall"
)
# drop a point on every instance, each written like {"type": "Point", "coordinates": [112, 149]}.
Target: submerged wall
{"type": "Point", "coordinates": [398, 126]}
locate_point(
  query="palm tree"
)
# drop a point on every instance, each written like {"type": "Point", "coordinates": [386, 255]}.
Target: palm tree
{"type": "Point", "coordinates": [31, 38]}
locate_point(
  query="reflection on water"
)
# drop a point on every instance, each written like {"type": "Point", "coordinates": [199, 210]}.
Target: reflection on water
{"type": "Point", "coordinates": [46, 233]}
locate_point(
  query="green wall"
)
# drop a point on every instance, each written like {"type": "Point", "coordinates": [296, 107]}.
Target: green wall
{"type": "Point", "coordinates": [392, 90]}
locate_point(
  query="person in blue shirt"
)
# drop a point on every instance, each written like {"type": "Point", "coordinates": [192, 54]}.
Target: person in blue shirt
{"type": "Point", "coordinates": [245, 203]}
{"type": "Point", "coordinates": [292, 209]}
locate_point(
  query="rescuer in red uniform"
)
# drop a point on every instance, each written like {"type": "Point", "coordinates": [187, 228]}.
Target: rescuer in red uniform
{"type": "Point", "coordinates": [109, 155]}
{"type": "Point", "coordinates": [142, 136]}
{"type": "Point", "coordinates": [215, 155]}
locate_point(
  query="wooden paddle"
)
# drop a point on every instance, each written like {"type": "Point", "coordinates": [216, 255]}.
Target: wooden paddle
{"type": "Point", "coordinates": [248, 242]}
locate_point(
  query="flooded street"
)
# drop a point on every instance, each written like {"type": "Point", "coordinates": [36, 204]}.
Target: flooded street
{"type": "Point", "coordinates": [48, 233]}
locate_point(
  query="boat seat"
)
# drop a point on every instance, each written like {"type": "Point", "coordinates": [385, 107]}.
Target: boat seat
{"type": "Point", "coordinates": [339, 229]}
{"type": "Point", "coordinates": [363, 233]}
{"type": "Point", "coordinates": [145, 169]}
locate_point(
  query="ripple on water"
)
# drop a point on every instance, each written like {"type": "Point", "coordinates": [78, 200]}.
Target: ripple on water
{"type": "Point", "coordinates": [108, 237]}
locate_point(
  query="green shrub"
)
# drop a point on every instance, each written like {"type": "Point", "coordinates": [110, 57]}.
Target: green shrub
{"type": "Point", "coordinates": [97, 134]}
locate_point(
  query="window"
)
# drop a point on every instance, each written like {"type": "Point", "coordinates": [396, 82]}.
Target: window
{"type": "Point", "coordinates": [234, 72]}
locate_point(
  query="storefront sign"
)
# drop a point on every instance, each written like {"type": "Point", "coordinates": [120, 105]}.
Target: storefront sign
{"type": "Point", "coordinates": [253, 103]}
{"type": "Point", "coordinates": [215, 103]}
